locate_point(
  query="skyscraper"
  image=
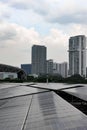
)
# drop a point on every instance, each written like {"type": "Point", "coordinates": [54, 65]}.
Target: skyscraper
{"type": "Point", "coordinates": [50, 66]}
{"type": "Point", "coordinates": [61, 69]}
{"type": "Point", "coordinates": [77, 55]}
{"type": "Point", "coordinates": [64, 69]}
{"type": "Point", "coordinates": [38, 59]}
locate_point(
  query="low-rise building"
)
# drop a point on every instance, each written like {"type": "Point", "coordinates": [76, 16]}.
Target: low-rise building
{"type": "Point", "coordinates": [50, 67]}
{"type": "Point", "coordinates": [26, 68]}
{"type": "Point", "coordinates": [11, 72]}
{"type": "Point", "coordinates": [61, 69]}
{"type": "Point", "coordinates": [10, 75]}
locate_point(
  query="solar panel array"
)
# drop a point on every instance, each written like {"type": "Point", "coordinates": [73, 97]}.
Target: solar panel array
{"type": "Point", "coordinates": [18, 91]}
{"type": "Point", "coordinates": [48, 111]}
{"type": "Point", "coordinates": [13, 112]}
{"type": "Point", "coordinates": [80, 92]}
{"type": "Point", "coordinates": [25, 108]}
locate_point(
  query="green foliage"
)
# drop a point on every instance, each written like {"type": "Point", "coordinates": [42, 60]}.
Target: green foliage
{"type": "Point", "coordinates": [51, 78]}
{"type": "Point", "coordinates": [75, 79]}
{"type": "Point", "coordinates": [55, 78]}
{"type": "Point", "coordinates": [30, 78]}
{"type": "Point", "coordinates": [42, 78]}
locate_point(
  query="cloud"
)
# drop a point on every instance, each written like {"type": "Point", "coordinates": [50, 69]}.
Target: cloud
{"type": "Point", "coordinates": [77, 29]}
{"type": "Point", "coordinates": [4, 11]}
{"type": "Point", "coordinates": [54, 11]}
{"type": "Point", "coordinates": [7, 33]}
{"type": "Point", "coordinates": [13, 33]}
{"type": "Point", "coordinates": [70, 18]}
{"type": "Point", "coordinates": [37, 5]}
{"type": "Point", "coordinates": [14, 39]}
{"type": "Point", "coordinates": [57, 43]}
{"type": "Point", "coordinates": [16, 42]}
{"type": "Point", "coordinates": [56, 37]}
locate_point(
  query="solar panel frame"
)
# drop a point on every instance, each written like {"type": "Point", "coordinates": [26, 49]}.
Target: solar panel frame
{"type": "Point", "coordinates": [55, 86]}
{"type": "Point", "coordinates": [17, 91]}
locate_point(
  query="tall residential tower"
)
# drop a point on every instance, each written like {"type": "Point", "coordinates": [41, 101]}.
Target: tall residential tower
{"type": "Point", "coordinates": [77, 55]}
{"type": "Point", "coordinates": [50, 67]}
{"type": "Point", "coordinates": [38, 59]}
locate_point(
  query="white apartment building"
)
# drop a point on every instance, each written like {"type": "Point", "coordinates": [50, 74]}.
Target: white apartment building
{"type": "Point", "coordinates": [60, 68]}
{"type": "Point", "coordinates": [50, 66]}
{"type": "Point", "coordinates": [4, 75]}
{"type": "Point", "coordinates": [77, 55]}
{"type": "Point", "coordinates": [56, 68]}
{"type": "Point", "coordinates": [64, 69]}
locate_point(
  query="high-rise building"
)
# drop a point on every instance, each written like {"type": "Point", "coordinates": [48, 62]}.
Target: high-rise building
{"type": "Point", "coordinates": [55, 68]}
{"type": "Point", "coordinates": [64, 69]}
{"type": "Point", "coordinates": [50, 66]}
{"type": "Point", "coordinates": [26, 68]}
{"type": "Point", "coordinates": [77, 55]}
{"type": "Point", "coordinates": [61, 69]}
{"type": "Point", "coordinates": [38, 59]}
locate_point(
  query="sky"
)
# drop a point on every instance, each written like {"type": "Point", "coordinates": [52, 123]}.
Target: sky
{"type": "Point", "coordinates": [24, 23]}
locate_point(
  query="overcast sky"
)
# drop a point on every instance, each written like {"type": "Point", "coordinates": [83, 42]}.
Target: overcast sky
{"type": "Point", "coordinates": [46, 22]}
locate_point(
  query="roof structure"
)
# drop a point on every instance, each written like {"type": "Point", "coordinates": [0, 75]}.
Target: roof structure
{"type": "Point", "coordinates": [8, 68]}
{"type": "Point", "coordinates": [26, 108]}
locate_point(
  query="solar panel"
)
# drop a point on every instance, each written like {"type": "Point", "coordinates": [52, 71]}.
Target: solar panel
{"type": "Point", "coordinates": [78, 92]}
{"type": "Point", "coordinates": [13, 112]}
{"type": "Point", "coordinates": [8, 85]}
{"type": "Point", "coordinates": [18, 91]}
{"type": "Point", "coordinates": [48, 111]}
{"type": "Point", "coordinates": [41, 111]}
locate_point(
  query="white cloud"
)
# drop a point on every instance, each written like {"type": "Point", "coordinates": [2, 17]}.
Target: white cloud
{"type": "Point", "coordinates": [57, 43]}
{"type": "Point", "coordinates": [16, 42]}
{"type": "Point", "coordinates": [78, 29]}
{"type": "Point", "coordinates": [4, 11]}
{"type": "Point", "coordinates": [56, 11]}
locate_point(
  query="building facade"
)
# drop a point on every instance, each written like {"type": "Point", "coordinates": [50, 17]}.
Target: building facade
{"type": "Point", "coordinates": [10, 75]}
{"type": "Point", "coordinates": [50, 67]}
{"type": "Point", "coordinates": [77, 55]}
{"type": "Point", "coordinates": [55, 68]}
{"type": "Point", "coordinates": [61, 69]}
{"type": "Point", "coordinates": [38, 59]}
{"type": "Point", "coordinates": [64, 69]}
{"type": "Point", "coordinates": [26, 68]}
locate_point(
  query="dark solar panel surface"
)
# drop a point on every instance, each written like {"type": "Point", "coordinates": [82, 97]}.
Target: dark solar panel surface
{"type": "Point", "coordinates": [41, 111]}
{"type": "Point", "coordinates": [18, 91]}
{"type": "Point", "coordinates": [13, 112]}
{"type": "Point", "coordinates": [9, 85]}
{"type": "Point", "coordinates": [48, 111]}
{"type": "Point", "coordinates": [78, 92]}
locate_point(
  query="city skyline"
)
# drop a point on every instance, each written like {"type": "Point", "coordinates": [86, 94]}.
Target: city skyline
{"type": "Point", "coordinates": [44, 22]}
